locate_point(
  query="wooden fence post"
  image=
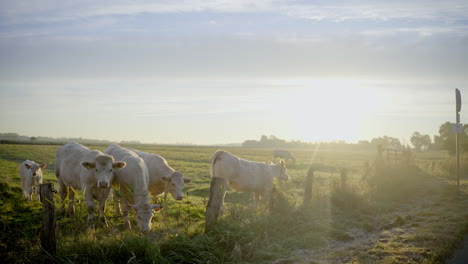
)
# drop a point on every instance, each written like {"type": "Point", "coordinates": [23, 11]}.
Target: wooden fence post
{"type": "Point", "coordinates": [344, 175]}
{"type": "Point", "coordinates": [48, 238]}
{"type": "Point", "coordinates": [379, 161]}
{"type": "Point", "coordinates": [309, 180]}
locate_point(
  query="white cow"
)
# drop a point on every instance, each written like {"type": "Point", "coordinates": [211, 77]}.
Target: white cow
{"type": "Point", "coordinates": [284, 154]}
{"type": "Point", "coordinates": [79, 168]}
{"type": "Point", "coordinates": [163, 178]}
{"type": "Point", "coordinates": [133, 182]}
{"type": "Point", "coordinates": [242, 175]}
{"type": "Point", "coordinates": [31, 177]}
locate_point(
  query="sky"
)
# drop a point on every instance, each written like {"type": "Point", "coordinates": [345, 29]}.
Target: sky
{"type": "Point", "coordinates": [218, 72]}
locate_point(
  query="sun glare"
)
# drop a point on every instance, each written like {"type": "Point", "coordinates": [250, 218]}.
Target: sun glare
{"type": "Point", "coordinates": [329, 110]}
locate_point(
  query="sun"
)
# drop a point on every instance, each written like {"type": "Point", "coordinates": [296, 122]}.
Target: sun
{"type": "Point", "coordinates": [330, 110]}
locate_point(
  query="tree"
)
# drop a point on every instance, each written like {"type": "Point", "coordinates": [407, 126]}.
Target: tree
{"type": "Point", "coordinates": [420, 141]}
{"type": "Point", "coordinates": [387, 142]}
{"type": "Point", "coordinates": [446, 137]}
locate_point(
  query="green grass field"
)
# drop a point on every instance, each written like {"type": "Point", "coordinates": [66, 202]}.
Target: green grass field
{"type": "Point", "coordinates": [401, 214]}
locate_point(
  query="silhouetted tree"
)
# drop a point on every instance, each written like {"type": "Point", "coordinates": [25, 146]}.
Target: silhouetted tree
{"type": "Point", "coordinates": [446, 137]}
{"type": "Point", "coordinates": [420, 141]}
{"type": "Point", "coordinates": [387, 142]}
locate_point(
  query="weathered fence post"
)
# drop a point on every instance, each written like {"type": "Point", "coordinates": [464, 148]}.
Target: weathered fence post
{"type": "Point", "coordinates": [48, 238]}
{"type": "Point", "coordinates": [344, 175]}
{"type": "Point", "coordinates": [379, 161]}
{"type": "Point", "coordinates": [366, 171]}
{"type": "Point", "coordinates": [215, 204]}
{"type": "Point", "coordinates": [309, 180]}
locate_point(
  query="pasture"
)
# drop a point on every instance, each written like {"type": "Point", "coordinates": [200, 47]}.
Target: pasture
{"type": "Point", "coordinates": [404, 213]}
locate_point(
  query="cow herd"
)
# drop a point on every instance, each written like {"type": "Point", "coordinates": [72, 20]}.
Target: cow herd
{"type": "Point", "coordinates": [132, 176]}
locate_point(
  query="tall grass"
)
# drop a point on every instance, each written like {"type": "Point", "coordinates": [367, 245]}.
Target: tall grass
{"type": "Point", "coordinates": [337, 216]}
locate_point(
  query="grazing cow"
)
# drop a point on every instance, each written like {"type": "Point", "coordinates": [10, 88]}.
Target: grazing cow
{"type": "Point", "coordinates": [133, 181]}
{"type": "Point", "coordinates": [79, 168]}
{"type": "Point", "coordinates": [163, 178]}
{"type": "Point", "coordinates": [284, 154]}
{"type": "Point", "coordinates": [31, 177]}
{"type": "Point", "coordinates": [242, 175]}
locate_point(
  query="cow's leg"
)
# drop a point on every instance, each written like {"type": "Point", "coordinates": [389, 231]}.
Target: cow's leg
{"type": "Point", "coordinates": [125, 211]}
{"type": "Point", "coordinates": [115, 195]}
{"type": "Point", "coordinates": [215, 204]}
{"type": "Point", "coordinates": [118, 211]}
{"type": "Point", "coordinates": [25, 195]}
{"type": "Point", "coordinates": [35, 191]}
{"type": "Point", "coordinates": [29, 191]}
{"type": "Point", "coordinates": [91, 205]}
{"type": "Point", "coordinates": [103, 194]}
{"type": "Point", "coordinates": [256, 197]}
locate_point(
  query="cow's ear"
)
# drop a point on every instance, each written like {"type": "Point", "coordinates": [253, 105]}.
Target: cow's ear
{"type": "Point", "coordinates": [88, 165]}
{"type": "Point", "coordinates": [186, 181]}
{"type": "Point", "coordinates": [27, 165]}
{"type": "Point", "coordinates": [43, 165]}
{"type": "Point", "coordinates": [119, 165]}
{"type": "Point", "coordinates": [164, 178]}
{"type": "Point", "coordinates": [156, 207]}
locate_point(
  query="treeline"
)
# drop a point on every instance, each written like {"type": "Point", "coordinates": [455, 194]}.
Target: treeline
{"type": "Point", "coordinates": [19, 139]}
{"type": "Point", "coordinates": [445, 140]}
{"type": "Point", "coordinates": [275, 142]}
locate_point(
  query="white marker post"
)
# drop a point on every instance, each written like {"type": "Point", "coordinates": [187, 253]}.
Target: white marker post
{"type": "Point", "coordinates": [457, 112]}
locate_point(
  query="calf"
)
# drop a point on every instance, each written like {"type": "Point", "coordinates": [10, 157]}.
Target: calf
{"type": "Point", "coordinates": [284, 154]}
{"type": "Point", "coordinates": [133, 181]}
{"type": "Point", "coordinates": [31, 177]}
{"type": "Point", "coordinates": [79, 168]}
{"type": "Point", "coordinates": [163, 178]}
{"type": "Point", "coordinates": [242, 175]}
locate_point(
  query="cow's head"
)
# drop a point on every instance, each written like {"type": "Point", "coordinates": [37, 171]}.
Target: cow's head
{"type": "Point", "coordinates": [175, 182]}
{"type": "Point", "coordinates": [283, 173]}
{"type": "Point", "coordinates": [144, 214]}
{"type": "Point", "coordinates": [35, 168]}
{"type": "Point", "coordinates": [103, 167]}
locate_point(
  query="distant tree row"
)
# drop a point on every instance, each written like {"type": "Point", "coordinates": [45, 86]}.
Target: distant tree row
{"type": "Point", "coordinates": [444, 141]}
{"type": "Point", "coordinates": [15, 137]}
{"type": "Point", "coordinates": [275, 142]}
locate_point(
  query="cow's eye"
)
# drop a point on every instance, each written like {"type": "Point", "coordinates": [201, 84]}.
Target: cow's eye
{"type": "Point", "coordinates": [96, 170]}
{"type": "Point", "coordinates": [110, 170]}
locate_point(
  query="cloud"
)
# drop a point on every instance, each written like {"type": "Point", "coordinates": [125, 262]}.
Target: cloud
{"type": "Point", "coordinates": [49, 11]}
{"type": "Point", "coordinates": [426, 31]}
{"type": "Point", "coordinates": [104, 39]}
{"type": "Point", "coordinates": [379, 10]}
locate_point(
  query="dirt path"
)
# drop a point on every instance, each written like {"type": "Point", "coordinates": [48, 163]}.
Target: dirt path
{"type": "Point", "coordinates": [409, 234]}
